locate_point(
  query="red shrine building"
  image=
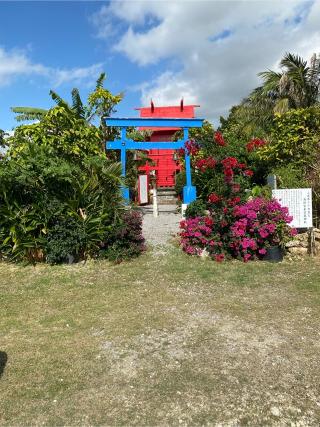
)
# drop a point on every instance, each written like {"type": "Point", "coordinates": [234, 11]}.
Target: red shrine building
{"type": "Point", "coordinates": [165, 164]}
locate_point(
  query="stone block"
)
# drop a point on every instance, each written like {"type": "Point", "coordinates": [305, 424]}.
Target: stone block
{"type": "Point", "coordinates": [298, 251]}
{"type": "Point", "coordinates": [316, 232]}
{"type": "Point", "coordinates": [292, 244]}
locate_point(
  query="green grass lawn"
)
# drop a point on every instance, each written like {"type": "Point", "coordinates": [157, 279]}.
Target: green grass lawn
{"type": "Point", "coordinates": [165, 339]}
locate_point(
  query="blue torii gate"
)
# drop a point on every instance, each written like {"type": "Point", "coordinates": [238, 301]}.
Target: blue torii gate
{"type": "Point", "coordinates": [123, 144]}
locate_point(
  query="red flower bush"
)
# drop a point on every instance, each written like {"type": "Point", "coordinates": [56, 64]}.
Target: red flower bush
{"type": "Point", "coordinates": [204, 164]}
{"type": "Point", "coordinates": [214, 198]}
{"type": "Point", "coordinates": [254, 144]}
{"type": "Point", "coordinates": [229, 162]}
{"type": "Point", "coordinates": [219, 139]}
{"type": "Point", "coordinates": [233, 227]}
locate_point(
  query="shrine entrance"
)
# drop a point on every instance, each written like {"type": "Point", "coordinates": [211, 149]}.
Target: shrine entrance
{"type": "Point", "coordinates": [166, 161]}
{"type": "Point", "coordinates": [156, 124]}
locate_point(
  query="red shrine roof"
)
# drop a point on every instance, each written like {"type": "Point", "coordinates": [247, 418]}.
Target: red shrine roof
{"type": "Point", "coordinates": [170, 111]}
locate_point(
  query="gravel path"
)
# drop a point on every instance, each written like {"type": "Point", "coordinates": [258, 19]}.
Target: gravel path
{"type": "Point", "coordinates": [159, 231]}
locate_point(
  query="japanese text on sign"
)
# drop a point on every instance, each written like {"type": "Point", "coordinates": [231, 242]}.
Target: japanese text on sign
{"type": "Point", "coordinates": [299, 203]}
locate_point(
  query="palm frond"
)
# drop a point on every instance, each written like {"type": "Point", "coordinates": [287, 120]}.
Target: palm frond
{"type": "Point", "coordinates": [59, 101]}
{"type": "Point", "coordinates": [77, 104]}
{"type": "Point", "coordinates": [291, 62]}
{"type": "Point", "coordinates": [271, 80]}
{"type": "Point", "coordinates": [100, 80]}
{"type": "Point", "coordinates": [28, 113]}
{"type": "Point", "coordinates": [282, 106]}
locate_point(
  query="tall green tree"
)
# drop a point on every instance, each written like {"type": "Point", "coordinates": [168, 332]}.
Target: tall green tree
{"type": "Point", "coordinates": [296, 85]}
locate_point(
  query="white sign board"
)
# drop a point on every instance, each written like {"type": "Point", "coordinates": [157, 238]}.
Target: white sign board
{"type": "Point", "coordinates": [143, 189]}
{"type": "Point", "coordinates": [299, 203]}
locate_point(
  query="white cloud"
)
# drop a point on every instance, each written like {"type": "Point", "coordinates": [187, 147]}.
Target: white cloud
{"type": "Point", "coordinates": [76, 75]}
{"type": "Point", "coordinates": [16, 63]}
{"type": "Point", "coordinates": [219, 73]}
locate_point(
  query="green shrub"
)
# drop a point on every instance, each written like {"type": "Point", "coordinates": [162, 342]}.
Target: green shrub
{"type": "Point", "coordinates": [291, 176]}
{"type": "Point", "coordinates": [124, 239]}
{"type": "Point", "coordinates": [65, 242]}
{"type": "Point", "coordinates": [180, 182]}
{"type": "Point", "coordinates": [196, 208]}
{"type": "Point", "coordinates": [295, 138]}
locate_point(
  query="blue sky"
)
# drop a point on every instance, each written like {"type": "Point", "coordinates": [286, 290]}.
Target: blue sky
{"type": "Point", "coordinates": [61, 35]}
{"type": "Point", "coordinates": [208, 52]}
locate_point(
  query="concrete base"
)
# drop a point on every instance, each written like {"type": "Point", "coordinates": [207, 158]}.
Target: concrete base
{"type": "Point", "coordinates": [183, 209]}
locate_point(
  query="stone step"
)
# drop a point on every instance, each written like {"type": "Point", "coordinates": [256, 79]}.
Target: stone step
{"type": "Point", "coordinates": [166, 196]}
{"type": "Point", "coordinates": [148, 209]}
{"type": "Point", "coordinates": [171, 193]}
{"type": "Point", "coordinates": [167, 202]}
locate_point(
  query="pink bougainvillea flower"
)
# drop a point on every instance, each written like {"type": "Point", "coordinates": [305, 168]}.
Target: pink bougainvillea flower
{"type": "Point", "coordinates": [246, 257]}
{"type": "Point", "coordinates": [293, 232]}
{"type": "Point", "coordinates": [263, 233]}
{"type": "Point", "coordinates": [219, 258]}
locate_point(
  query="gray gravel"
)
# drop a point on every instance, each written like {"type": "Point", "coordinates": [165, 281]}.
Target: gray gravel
{"type": "Point", "coordinates": [160, 230]}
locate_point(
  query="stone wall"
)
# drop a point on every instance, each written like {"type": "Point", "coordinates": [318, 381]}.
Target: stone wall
{"type": "Point", "coordinates": [305, 244]}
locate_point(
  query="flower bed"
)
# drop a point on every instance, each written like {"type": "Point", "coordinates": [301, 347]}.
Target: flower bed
{"type": "Point", "coordinates": [234, 227]}
{"type": "Point", "coordinates": [232, 230]}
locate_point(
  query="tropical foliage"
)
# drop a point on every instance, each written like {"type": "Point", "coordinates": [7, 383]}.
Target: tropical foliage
{"type": "Point", "coordinates": [297, 85]}
{"type": "Point", "coordinates": [284, 112]}
{"type": "Point", "coordinates": [60, 195]}
{"type": "Point", "coordinates": [100, 103]}
{"type": "Point", "coordinates": [295, 138]}
{"type": "Point", "coordinates": [42, 193]}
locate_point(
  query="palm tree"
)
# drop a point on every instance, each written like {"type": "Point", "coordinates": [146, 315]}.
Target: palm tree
{"type": "Point", "coordinates": [297, 85]}
{"type": "Point", "coordinates": [101, 103]}
{"type": "Point", "coordinates": [33, 113]}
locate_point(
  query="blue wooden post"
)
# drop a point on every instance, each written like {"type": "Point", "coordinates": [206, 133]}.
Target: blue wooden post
{"type": "Point", "coordinates": [189, 191]}
{"type": "Point", "coordinates": [124, 190]}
